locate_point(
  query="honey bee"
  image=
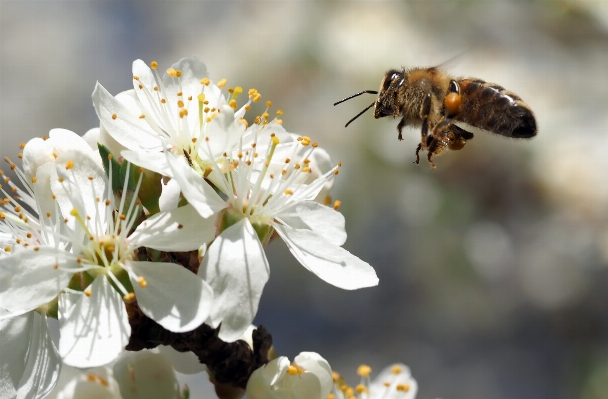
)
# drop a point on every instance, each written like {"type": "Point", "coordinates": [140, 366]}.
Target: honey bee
{"type": "Point", "coordinates": [434, 100]}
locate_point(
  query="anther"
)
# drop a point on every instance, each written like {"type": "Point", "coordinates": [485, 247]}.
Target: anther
{"type": "Point", "coordinates": [114, 116]}
{"type": "Point", "coordinates": [172, 72]}
{"type": "Point", "coordinates": [337, 205]}
{"type": "Point", "coordinates": [154, 65]}
{"type": "Point", "coordinates": [205, 81]}
{"type": "Point", "coordinates": [222, 83]}
{"type": "Point", "coordinates": [180, 226]}
{"type": "Point", "coordinates": [268, 103]}
{"type": "Point", "coordinates": [403, 387]}
{"type": "Point", "coordinates": [364, 370]}
{"type": "Point", "coordinates": [87, 292]}
{"type": "Point", "coordinates": [142, 282]}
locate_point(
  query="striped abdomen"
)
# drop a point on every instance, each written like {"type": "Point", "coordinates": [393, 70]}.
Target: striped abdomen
{"type": "Point", "coordinates": [490, 107]}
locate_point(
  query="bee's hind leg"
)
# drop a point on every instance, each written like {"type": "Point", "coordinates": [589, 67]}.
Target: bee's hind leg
{"type": "Point", "coordinates": [417, 161]}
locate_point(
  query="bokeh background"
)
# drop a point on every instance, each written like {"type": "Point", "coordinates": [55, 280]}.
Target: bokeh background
{"type": "Point", "coordinates": [493, 267]}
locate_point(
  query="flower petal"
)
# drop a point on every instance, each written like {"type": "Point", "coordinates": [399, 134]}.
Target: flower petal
{"type": "Point", "coordinates": [196, 190]}
{"type": "Point", "coordinates": [391, 381]}
{"type": "Point", "coordinates": [321, 219]}
{"type": "Point", "coordinates": [330, 262]}
{"type": "Point", "coordinates": [144, 374]}
{"type": "Point", "coordinates": [174, 297]}
{"type": "Point", "coordinates": [170, 197]}
{"type": "Point", "coordinates": [179, 230]}
{"type": "Point", "coordinates": [316, 364]}
{"type": "Point", "coordinates": [30, 364]}
{"type": "Point", "coordinates": [31, 277]}
{"type": "Point", "coordinates": [154, 161]}
{"type": "Point", "coordinates": [127, 129]}
{"type": "Point", "coordinates": [94, 329]}
{"type": "Point", "coordinates": [236, 268]}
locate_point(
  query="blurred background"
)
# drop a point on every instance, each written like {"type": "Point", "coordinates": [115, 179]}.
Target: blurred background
{"type": "Point", "coordinates": [493, 267]}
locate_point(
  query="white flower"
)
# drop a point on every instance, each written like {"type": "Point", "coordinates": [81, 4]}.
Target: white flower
{"type": "Point", "coordinates": [97, 383]}
{"type": "Point", "coordinates": [29, 365]}
{"type": "Point", "coordinates": [94, 326]}
{"type": "Point", "coordinates": [309, 377]}
{"type": "Point", "coordinates": [258, 203]}
{"type": "Point", "coordinates": [394, 382]}
{"type": "Point", "coordinates": [144, 374]}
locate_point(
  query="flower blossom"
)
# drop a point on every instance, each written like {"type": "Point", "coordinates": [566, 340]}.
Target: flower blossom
{"type": "Point", "coordinates": [394, 382]}
{"type": "Point", "coordinates": [94, 256]}
{"type": "Point", "coordinates": [309, 377]}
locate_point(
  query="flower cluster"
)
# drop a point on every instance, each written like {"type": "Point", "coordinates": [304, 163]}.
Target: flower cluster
{"type": "Point", "coordinates": [97, 231]}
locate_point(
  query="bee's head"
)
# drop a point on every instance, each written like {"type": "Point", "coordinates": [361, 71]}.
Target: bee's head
{"type": "Point", "coordinates": [387, 104]}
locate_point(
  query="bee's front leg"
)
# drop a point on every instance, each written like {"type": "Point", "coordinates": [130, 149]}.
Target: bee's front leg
{"type": "Point", "coordinates": [400, 126]}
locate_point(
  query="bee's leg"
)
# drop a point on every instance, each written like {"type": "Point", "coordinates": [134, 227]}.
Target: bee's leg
{"type": "Point", "coordinates": [429, 156]}
{"type": "Point", "coordinates": [424, 115]}
{"type": "Point", "coordinates": [400, 127]}
{"type": "Point", "coordinates": [457, 137]}
{"type": "Point", "coordinates": [418, 153]}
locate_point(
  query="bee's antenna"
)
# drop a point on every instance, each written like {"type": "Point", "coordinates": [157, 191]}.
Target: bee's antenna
{"type": "Point", "coordinates": [360, 113]}
{"type": "Point", "coordinates": [356, 95]}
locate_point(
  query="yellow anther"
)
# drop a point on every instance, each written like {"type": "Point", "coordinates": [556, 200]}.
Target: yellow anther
{"type": "Point", "coordinates": [129, 297]}
{"type": "Point", "coordinates": [269, 103]}
{"type": "Point", "coordinates": [386, 384]}
{"type": "Point", "coordinates": [247, 107]}
{"type": "Point", "coordinates": [180, 226]}
{"type": "Point", "coordinates": [287, 160]}
{"type": "Point", "coordinates": [230, 90]}
{"type": "Point", "coordinates": [22, 145]}
{"type": "Point", "coordinates": [244, 122]}
{"type": "Point", "coordinates": [257, 120]}
{"type": "Point", "coordinates": [163, 101]}
{"type": "Point", "coordinates": [179, 73]}
{"type": "Point", "coordinates": [205, 81]}
{"type": "Point", "coordinates": [403, 387]}
{"type": "Point", "coordinates": [335, 376]}
{"type": "Point", "coordinates": [189, 98]}
{"type": "Point", "coordinates": [396, 370]}
{"type": "Point", "coordinates": [33, 179]}
{"type": "Point", "coordinates": [122, 217]}
{"type": "Point", "coordinates": [360, 389]}
{"type": "Point", "coordinates": [291, 370]}
{"type": "Point", "coordinates": [114, 116]}
{"type": "Point", "coordinates": [108, 202]}
{"type": "Point", "coordinates": [194, 139]}
{"type": "Point", "coordinates": [315, 144]}
{"type": "Point", "coordinates": [172, 72]}
{"type": "Point", "coordinates": [257, 97]}
{"type": "Point", "coordinates": [48, 214]}
{"type": "Point", "coordinates": [154, 65]}
{"type": "Point", "coordinates": [180, 103]}
{"type": "Point", "coordinates": [364, 370]}
{"type": "Point", "coordinates": [279, 112]}
{"type": "Point", "coordinates": [179, 93]}
{"type": "Point", "coordinates": [288, 192]}
{"type": "Point", "coordinates": [140, 86]}
{"type": "Point", "coordinates": [305, 142]}
{"type": "Point", "coordinates": [232, 103]}
{"type": "Point", "coordinates": [142, 116]}
{"type": "Point", "coordinates": [278, 121]}
{"type": "Point", "coordinates": [183, 112]}
{"type": "Point", "coordinates": [265, 115]}
{"type": "Point", "coordinates": [222, 83]}
{"type": "Point", "coordinates": [110, 156]}
{"type": "Point", "coordinates": [207, 109]}
{"type": "Point", "coordinates": [69, 165]}
{"type": "Point", "coordinates": [156, 88]}
{"type": "Point", "coordinates": [7, 249]}
{"type": "Point", "coordinates": [306, 169]}
{"type": "Point", "coordinates": [337, 205]}
{"type": "Point", "coordinates": [142, 282]}
{"type": "Point", "coordinates": [87, 292]}
{"type": "Point", "coordinates": [331, 396]}
{"type": "Point", "coordinates": [337, 172]}
{"type": "Point", "coordinates": [136, 77]}
{"type": "Point", "coordinates": [251, 92]}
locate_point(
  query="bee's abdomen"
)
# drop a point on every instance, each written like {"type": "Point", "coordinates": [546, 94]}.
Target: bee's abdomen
{"type": "Point", "coordinates": [492, 108]}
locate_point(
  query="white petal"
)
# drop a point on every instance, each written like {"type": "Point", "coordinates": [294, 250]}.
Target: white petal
{"type": "Point", "coordinates": [144, 375]}
{"type": "Point", "coordinates": [169, 199]}
{"type": "Point", "coordinates": [330, 262]}
{"type": "Point", "coordinates": [196, 190]}
{"type": "Point", "coordinates": [127, 129]}
{"type": "Point", "coordinates": [174, 297]}
{"type": "Point", "coordinates": [36, 152]}
{"type": "Point", "coordinates": [321, 219]}
{"type": "Point", "coordinates": [154, 161]}
{"type": "Point", "coordinates": [92, 137]}
{"type": "Point", "coordinates": [30, 364]}
{"type": "Point", "coordinates": [182, 362]}
{"type": "Point", "coordinates": [316, 364]}
{"type": "Point", "coordinates": [179, 230]}
{"type": "Point", "coordinates": [95, 329]}
{"type": "Point", "coordinates": [31, 278]}
{"type": "Point", "coordinates": [223, 133]}
{"type": "Point", "coordinates": [236, 267]}
{"type": "Point", "coordinates": [64, 140]}
{"type": "Point", "coordinates": [393, 379]}
{"type": "Point", "coordinates": [261, 380]}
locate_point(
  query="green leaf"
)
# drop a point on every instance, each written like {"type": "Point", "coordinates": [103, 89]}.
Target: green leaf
{"type": "Point", "coordinates": [109, 159]}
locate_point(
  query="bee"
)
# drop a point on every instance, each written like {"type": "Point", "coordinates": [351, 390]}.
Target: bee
{"type": "Point", "coordinates": [436, 101]}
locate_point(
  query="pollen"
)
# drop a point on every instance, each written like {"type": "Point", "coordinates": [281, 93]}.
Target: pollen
{"type": "Point", "coordinates": [403, 387]}
{"type": "Point", "coordinates": [142, 116]}
{"type": "Point", "coordinates": [22, 146]}
{"type": "Point", "coordinates": [292, 370]}
{"type": "Point", "coordinates": [279, 112]}
{"type": "Point", "coordinates": [183, 112]}
{"type": "Point", "coordinates": [172, 72]}
{"type": "Point", "coordinates": [142, 282]}
{"type": "Point", "coordinates": [337, 204]}
{"type": "Point", "coordinates": [257, 97]}
{"type": "Point", "coordinates": [108, 202]}
{"type": "Point", "coordinates": [360, 389]}
{"type": "Point", "coordinates": [87, 292]}
{"type": "Point", "coordinates": [122, 217]}
{"type": "Point", "coordinates": [364, 370]}
{"type": "Point", "coordinates": [136, 77]}
{"type": "Point", "coordinates": [180, 103]}
{"type": "Point", "coordinates": [140, 86]}
{"type": "Point", "coordinates": [335, 376]}
{"type": "Point", "coordinates": [154, 65]}
{"type": "Point", "coordinates": [337, 172]}
{"type": "Point", "coordinates": [55, 266]}
{"type": "Point", "coordinates": [114, 116]}
{"type": "Point", "coordinates": [269, 103]}
{"type": "Point", "coordinates": [205, 81]}
{"type": "Point", "coordinates": [7, 249]}
{"type": "Point", "coordinates": [48, 214]}
{"type": "Point", "coordinates": [396, 370]}
{"type": "Point", "coordinates": [247, 107]}
{"type": "Point", "coordinates": [232, 104]}
{"type": "Point", "coordinates": [129, 297]}
{"type": "Point", "coordinates": [17, 209]}
{"type": "Point", "coordinates": [163, 101]}
{"type": "Point", "coordinates": [315, 144]}
{"type": "Point", "coordinates": [110, 157]}
{"type": "Point", "coordinates": [288, 192]}
{"type": "Point", "coordinates": [222, 83]}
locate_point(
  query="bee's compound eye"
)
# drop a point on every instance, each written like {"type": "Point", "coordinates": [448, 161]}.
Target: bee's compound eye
{"type": "Point", "coordinates": [395, 76]}
{"type": "Point", "coordinates": [452, 103]}
{"type": "Point", "coordinates": [454, 87]}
